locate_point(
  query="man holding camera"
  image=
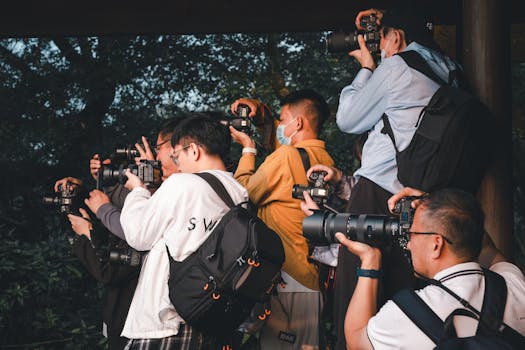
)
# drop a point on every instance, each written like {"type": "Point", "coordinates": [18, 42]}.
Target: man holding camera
{"type": "Point", "coordinates": [400, 92]}
{"type": "Point", "coordinates": [445, 240]}
{"type": "Point", "coordinates": [107, 206]}
{"type": "Point", "coordinates": [180, 215]}
{"type": "Point", "coordinates": [119, 277]}
{"type": "Point", "coordinates": [294, 322]}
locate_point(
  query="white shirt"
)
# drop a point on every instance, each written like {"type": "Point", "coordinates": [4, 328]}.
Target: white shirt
{"type": "Point", "coordinates": [181, 215]}
{"type": "Point", "coordinates": [390, 328]}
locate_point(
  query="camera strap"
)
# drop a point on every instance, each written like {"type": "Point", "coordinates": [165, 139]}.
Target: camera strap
{"type": "Point", "coordinates": [304, 158]}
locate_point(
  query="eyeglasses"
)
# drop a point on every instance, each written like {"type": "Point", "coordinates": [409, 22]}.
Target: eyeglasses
{"type": "Point", "coordinates": [157, 147]}
{"type": "Point", "coordinates": [175, 155]}
{"type": "Point", "coordinates": [428, 233]}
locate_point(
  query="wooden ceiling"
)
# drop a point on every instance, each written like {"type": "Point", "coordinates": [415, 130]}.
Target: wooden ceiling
{"type": "Point", "coordinates": [31, 18]}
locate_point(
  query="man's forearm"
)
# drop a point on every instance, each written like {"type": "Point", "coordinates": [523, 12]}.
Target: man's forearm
{"type": "Point", "coordinates": [109, 215]}
{"type": "Point", "coordinates": [140, 229]}
{"type": "Point", "coordinates": [362, 307]}
{"type": "Point", "coordinates": [245, 169]}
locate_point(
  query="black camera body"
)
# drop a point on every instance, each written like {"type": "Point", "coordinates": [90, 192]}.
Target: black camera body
{"type": "Point", "coordinates": [342, 41]}
{"type": "Point", "coordinates": [127, 256]}
{"type": "Point", "coordinates": [318, 189]}
{"type": "Point", "coordinates": [149, 172]}
{"type": "Point", "coordinates": [66, 200]}
{"type": "Point", "coordinates": [375, 230]}
{"type": "Point", "coordinates": [240, 121]}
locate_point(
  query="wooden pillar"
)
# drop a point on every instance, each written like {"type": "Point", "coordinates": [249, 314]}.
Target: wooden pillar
{"type": "Point", "coordinates": [486, 59]}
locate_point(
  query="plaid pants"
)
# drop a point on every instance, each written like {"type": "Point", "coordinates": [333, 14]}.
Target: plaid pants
{"type": "Point", "coordinates": [186, 339]}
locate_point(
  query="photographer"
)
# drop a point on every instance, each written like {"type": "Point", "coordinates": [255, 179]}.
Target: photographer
{"type": "Point", "coordinates": [296, 309]}
{"type": "Point", "coordinates": [93, 246]}
{"type": "Point", "coordinates": [108, 204]}
{"type": "Point", "coordinates": [180, 215]}
{"type": "Point", "coordinates": [445, 241]}
{"type": "Point", "coordinates": [119, 279]}
{"type": "Point", "coordinates": [400, 92]}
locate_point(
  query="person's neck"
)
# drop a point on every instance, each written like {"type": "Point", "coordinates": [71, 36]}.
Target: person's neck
{"type": "Point", "coordinates": [211, 163]}
{"type": "Point", "coordinates": [303, 136]}
{"type": "Point", "coordinates": [443, 264]}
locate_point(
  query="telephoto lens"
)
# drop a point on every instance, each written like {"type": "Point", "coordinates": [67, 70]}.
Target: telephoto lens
{"type": "Point", "coordinates": [375, 230]}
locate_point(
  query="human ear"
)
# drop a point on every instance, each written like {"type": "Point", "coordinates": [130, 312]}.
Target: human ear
{"type": "Point", "coordinates": [299, 123]}
{"type": "Point", "coordinates": [196, 151]}
{"type": "Point", "coordinates": [437, 248]}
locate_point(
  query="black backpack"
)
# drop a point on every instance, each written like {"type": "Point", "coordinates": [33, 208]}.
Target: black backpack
{"type": "Point", "coordinates": [216, 287]}
{"type": "Point", "coordinates": [451, 146]}
{"type": "Point", "coordinates": [491, 333]}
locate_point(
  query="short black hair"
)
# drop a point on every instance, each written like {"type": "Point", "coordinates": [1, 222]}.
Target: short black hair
{"type": "Point", "coordinates": [317, 107]}
{"type": "Point", "coordinates": [460, 215]}
{"type": "Point", "coordinates": [200, 128]}
{"type": "Point", "coordinates": [168, 126]}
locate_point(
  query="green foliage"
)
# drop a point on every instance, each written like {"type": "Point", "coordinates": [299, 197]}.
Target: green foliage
{"type": "Point", "coordinates": [47, 300]}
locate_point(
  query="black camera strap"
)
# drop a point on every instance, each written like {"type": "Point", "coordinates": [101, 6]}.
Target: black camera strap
{"type": "Point", "coordinates": [304, 158]}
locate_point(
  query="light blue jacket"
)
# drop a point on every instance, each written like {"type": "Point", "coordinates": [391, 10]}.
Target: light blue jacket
{"type": "Point", "coordinates": [399, 91]}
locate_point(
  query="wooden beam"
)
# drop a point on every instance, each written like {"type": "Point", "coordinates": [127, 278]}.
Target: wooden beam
{"type": "Point", "coordinates": [486, 60]}
{"type": "Point", "coordinates": [28, 18]}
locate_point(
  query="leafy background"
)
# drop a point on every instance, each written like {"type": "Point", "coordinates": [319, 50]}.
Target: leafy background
{"type": "Point", "coordinates": [64, 99]}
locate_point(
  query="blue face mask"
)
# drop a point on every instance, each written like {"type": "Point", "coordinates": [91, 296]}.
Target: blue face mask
{"type": "Point", "coordinates": [279, 133]}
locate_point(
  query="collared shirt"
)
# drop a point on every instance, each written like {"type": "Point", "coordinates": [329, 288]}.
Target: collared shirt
{"type": "Point", "coordinates": [399, 91]}
{"type": "Point", "coordinates": [181, 214]}
{"type": "Point", "coordinates": [390, 328]}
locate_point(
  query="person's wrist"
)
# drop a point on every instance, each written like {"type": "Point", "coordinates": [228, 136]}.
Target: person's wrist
{"type": "Point", "coordinates": [338, 176]}
{"type": "Point", "coordinates": [371, 260]}
{"type": "Point", "coordinates": [252, 150]}
{"type": "Point", "coordinates": [369, 273]}
{"type": "Point", "coordinates": [248, 144]}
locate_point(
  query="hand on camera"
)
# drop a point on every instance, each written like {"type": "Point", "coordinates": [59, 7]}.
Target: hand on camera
{"type": "Point", "coordinates": [256, 107]}
{"type": "Point", "coordinates": [145, 152]}
{"type": "Point", "coordinates": [361, 14]}
{"type": "Point", "coordinates": [74, 182]}
{"type": "Point", "coordinates": [241, 138]}
{"type": "Point", "coordinates": [363, 55]}
{"type": "Point", "coordinates": [405, 192]}
{"type": "Point", "coordinates": [133, 181]}
{"type": "Point", "coordinates": [308, 205]}
{"type": "Point", "coordinates": [95, 164]}
{"type": "Point", "coordinates": [370, 256]}
{"type": "Point", "coordinates": [96, 200]}
{"type": "Point", "coordinates": [333, 175]}
{"type": "Point", "coordinates": [81, 225]}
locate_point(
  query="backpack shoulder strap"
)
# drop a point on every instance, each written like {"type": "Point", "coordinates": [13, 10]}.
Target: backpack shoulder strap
{"type": "Point", "coordinates": [218, 187]}
{"type": "Point", "coordinates": [387, 129]}
{"type": "Point", "coordinates": [494, 300]}
{"type": "Point", "coordinates": [304, 158]}
{"type": "Point", "coordinates": [420, 313]}
{"type": "Point", "coordinates": [416, 61]}
{"type": "Point", "coordinates": [493, 308]}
